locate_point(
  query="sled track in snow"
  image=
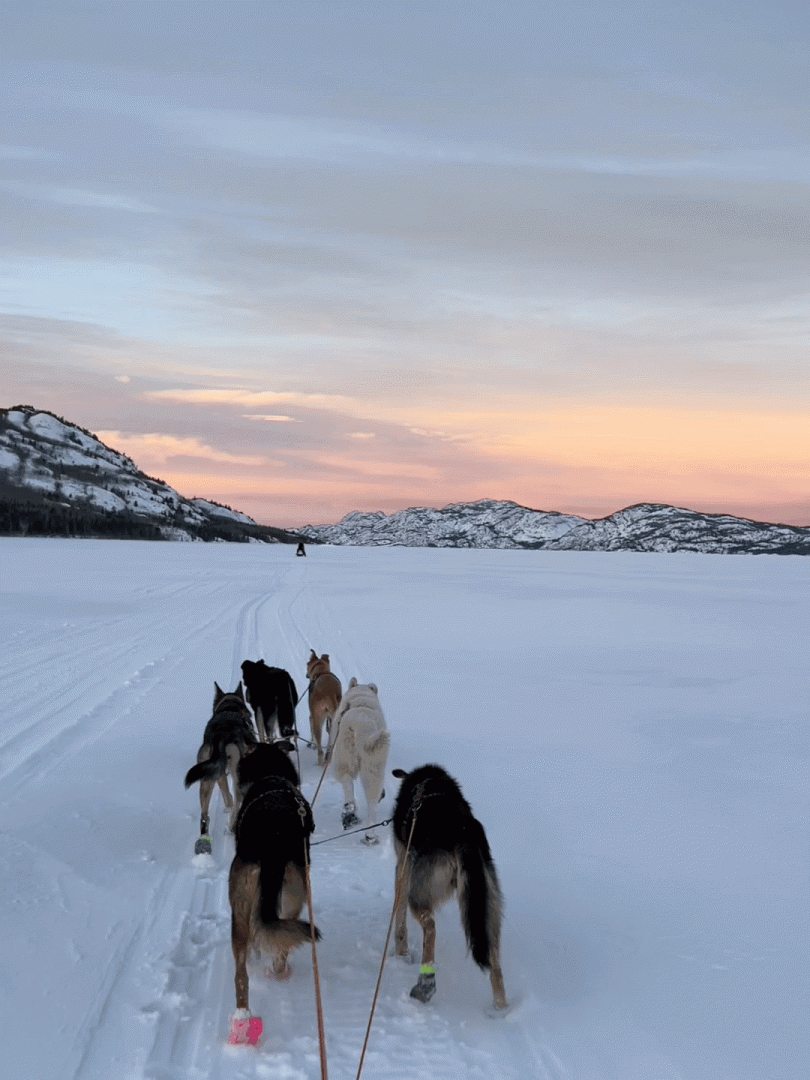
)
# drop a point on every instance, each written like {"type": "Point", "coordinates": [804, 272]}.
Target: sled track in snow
{"type": "Point", "coordinates": [56, 721]}
{"type": "Point", "coordinates": [178, 948]}
{"type": "Point", "coordinates": [353, 892]}
{"type": "Point", "coordinates": [190, 1013]}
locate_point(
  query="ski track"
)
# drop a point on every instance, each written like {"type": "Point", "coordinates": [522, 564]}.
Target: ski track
{"type": "Point", "coordinates": [192, 1016]}
{"type": "Point", "coordinates": [64, 732]}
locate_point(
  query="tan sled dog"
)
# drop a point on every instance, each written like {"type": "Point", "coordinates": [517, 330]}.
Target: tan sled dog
{"type": "Point", "coordinates": [360, 750]}
{"type": "Point", "coordinates": [324, 697]}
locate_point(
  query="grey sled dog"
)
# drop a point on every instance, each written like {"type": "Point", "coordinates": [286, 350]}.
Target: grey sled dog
{"type": "Point", "coordinates": [447, 852]}
{"type": "Point", "coordinates": [228, 735]}
{"type": "Point", "coordinates": [360, 750]}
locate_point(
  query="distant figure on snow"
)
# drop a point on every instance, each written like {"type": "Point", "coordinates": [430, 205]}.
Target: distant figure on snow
{"type": "Point", "coordinates": [300, 550]}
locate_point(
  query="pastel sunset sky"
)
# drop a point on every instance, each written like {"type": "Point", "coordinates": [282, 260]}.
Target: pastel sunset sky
{"type": "Point", "coordinates": [312, 257]}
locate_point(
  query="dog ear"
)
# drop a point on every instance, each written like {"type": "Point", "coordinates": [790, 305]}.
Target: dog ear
{"type": "Point", "coordinates": [373, 686]}
{"type": "Point", "coordinates": [399, 773]}
{"type": "Point", "coordinates": [239, 691]}
{"type": "Point", "coordinates": [218, 693]}
{"type": "Point", "coordinates": [325, 656]}
{"type": "Point", "coordinates": [352, 682]}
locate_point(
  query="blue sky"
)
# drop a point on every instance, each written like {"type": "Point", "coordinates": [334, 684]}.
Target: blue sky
{"type": "Point", "coordinates": [313, 257]}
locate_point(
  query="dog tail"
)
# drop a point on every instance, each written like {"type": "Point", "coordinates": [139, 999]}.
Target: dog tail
{"type": "Point", "coordinates": [283, 932]}
{"type": "Point", "coordinates": [205, 770]}
{"type": "Point", "coordinates": [479, 895]}
{"type": "Point", "coordinates": [284, 935]}
{"type": "Point", "coordinates": [379, 745]}
{"type": "Point", "coordinates": [216, 766]}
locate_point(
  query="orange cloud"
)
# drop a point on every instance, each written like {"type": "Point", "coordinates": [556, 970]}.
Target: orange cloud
{"type": "Point", "coordinates": [252, 398]}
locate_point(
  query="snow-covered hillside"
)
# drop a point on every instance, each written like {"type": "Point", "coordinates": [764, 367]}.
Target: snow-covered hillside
{"type": "Point", "coordinates": [632, 732]}
{"type": "Point", "coordinates": [491, 524]}
{"type": "Point", "coordinates": [44, 456]}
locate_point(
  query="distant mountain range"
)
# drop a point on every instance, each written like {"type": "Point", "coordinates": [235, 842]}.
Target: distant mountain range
{"type": "Point", "coordinates": [57, 479]}
{"type": "Point", "coordinates": [490, 524]}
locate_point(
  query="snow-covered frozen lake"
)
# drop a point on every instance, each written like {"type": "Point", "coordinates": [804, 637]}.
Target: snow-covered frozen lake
{"type": "Point", "coordinates": [632, 731]}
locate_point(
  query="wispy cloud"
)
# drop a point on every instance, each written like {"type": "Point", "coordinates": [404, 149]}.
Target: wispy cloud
{"type": "Point", "coordinates": [85, 197]}
{"type": "Point", "coordinates": [273, 419]}
{"type": "Point", "coordinates": [252, 398]}
{"type": "Point", "coordinates": [156, 448]}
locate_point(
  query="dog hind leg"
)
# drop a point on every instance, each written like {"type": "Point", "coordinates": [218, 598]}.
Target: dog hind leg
{"type": "Point", "coordinates": [226, 794]}
{"type": "Point", "coordinates": [372, 774]}
{"type": "Point", "coordinates": [270, 721]}
{"type": "Point", "coordinates": [285, 710]}
{"type": "Point", "coordinates": [316, 727]}
{"type": "Point", "coordinates": [243, 887]}
{"type": "Point", "coordinates": [260, 726]}
{"type": "Point", "coordinates": [349, 816]}
{"type": "Point", "coordinates": [401, 888]}
{"type": "Point", "coordinates": [203, 844]}
{"type": "Point", "coordinates": [496, 978]}
{"type": "Point", "coordinates": [425, 988]}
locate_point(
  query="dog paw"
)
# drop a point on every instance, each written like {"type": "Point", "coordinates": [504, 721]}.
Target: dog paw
{"type": "Point", "coordinates": [370, 839]}
{"type": "Point", "coordinates": [349, 816]}
{"type": "Point", "coordinates": [425, 988]}
{"type": "Point", "coordinates": [202, 845]}
{"type": "Point", "coordinates": [282, 975]}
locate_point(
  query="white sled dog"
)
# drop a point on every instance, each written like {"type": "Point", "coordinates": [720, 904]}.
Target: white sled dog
{"type": "Point", "coordinates": [360, 750]}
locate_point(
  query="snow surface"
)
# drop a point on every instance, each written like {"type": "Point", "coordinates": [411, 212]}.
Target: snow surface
{"type": "Point", "coordinates": [631, 730]}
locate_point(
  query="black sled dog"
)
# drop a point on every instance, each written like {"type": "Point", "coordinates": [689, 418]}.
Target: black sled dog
{"type": "Point", "coordinates": [272, 694]}
{"type": "Point", "coordinates": [267, 882]}
{"type": "Point", "coordinates": [448, 852]}
{"type": "Point", "coordinates": [228, 735]}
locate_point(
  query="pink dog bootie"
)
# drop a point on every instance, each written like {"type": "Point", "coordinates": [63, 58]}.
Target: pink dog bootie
{"type": "Point", "coordinates": [246, 1030]}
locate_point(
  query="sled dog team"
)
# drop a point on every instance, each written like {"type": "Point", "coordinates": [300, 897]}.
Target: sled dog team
{"type": "Point", "coordinates": [441, 848]}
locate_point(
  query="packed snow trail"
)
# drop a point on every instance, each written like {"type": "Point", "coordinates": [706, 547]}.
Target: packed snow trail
{"type": "Point", "coordinates": [631, 730]}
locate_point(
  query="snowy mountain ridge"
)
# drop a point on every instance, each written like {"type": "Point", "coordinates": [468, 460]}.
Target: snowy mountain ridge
{"type": "Point", "coordinates": [48, 462]}
{"type": "Point", "coordinates": [56, 478]}
{"type": "Point", "coordinates": [492, 524]}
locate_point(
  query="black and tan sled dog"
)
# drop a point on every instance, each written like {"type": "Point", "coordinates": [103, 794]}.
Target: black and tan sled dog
{"type": "Point", "coordinates": [267, 882]}
{"type": "Point", "coordinates": [228, 735]}
{"type": "Point", "coordinates": [448, 853]}
{"type": "Point", "coordinates": [272, 694]}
